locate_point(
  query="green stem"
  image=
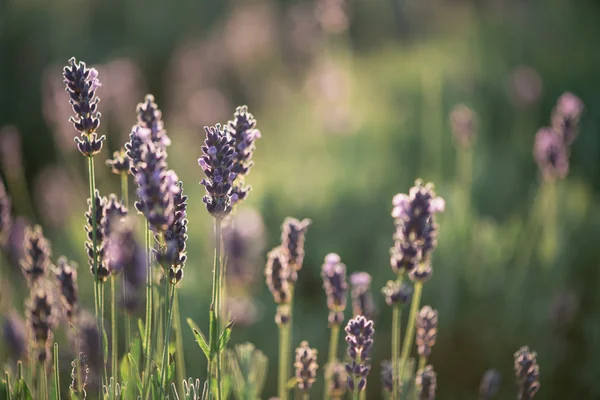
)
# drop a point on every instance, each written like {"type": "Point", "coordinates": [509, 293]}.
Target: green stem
{"type": "Point", "coordinates": [355, 393]}
{"type": "Point", "coordinates": [125, 201]}
{"type": "Point", "coordinates": [422, 363]}
{"type": "Point", "coordinates": [124, 190]}
{"type": "Point", "coordinates": [103, 333]}
{"type": "Point", "coordinates": [8, 392]}
{"type": "Point", "coordinates": [56, 372]}
{"type": "Point", "coordinates": [219, 291]}
{"type": "Point", "coordinates": [410, 330]}
{"type": "Point", "coordinates": [44, 382]}
{"type": "Point", "coordinates": [305, 396]}
{"type": "Point", "coordinates": [395, 349]}
{"type": "Point", "coordinates": [114, 333]}
{"type": "Point", "coordinates": [333, 351]}
{"type": "Point", "coordinates": [149, 304]}
{"type": "Point", "coordinates": [283, 350]}
{"type": "Point", "coordinates": [179, 356]}
{"type": "Point", "coordinates": [169, 318]}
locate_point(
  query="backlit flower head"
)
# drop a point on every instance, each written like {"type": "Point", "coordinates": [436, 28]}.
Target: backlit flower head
{"type": "Point", "coordinates": [333, 273]}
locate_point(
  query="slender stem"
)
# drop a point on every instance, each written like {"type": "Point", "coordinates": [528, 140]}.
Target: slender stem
{"type": "Point", "coordinates": [103, 333]}
{"type": "Point", "coordinates": [8, 393]}
{"type": "Point", "coordinates": [334, 338]}
{"type": "Point", "coordinates": [283, 350]}
{"type": "Point", "coordinates": [124, 190]}
{"type": "Point", "coordinates": [218, 294]}
{"type": "Point", "coordinates": [114, 332]}
{"type": "Point", "coordinates": [44, 384]}
{"type": "Point", "coordinates": [422, 363]}
{"type": "Point", "coordinates": [125, 201]}
{"type": "Point", "coordinates": [148, 326]}
{"type": "Point", "coordinates": [395, 349]}
{"type": "Point", "coordinates": [355, 391]}
{"type": "Point", "coordinates": [167, 334]}
{"type": "Point", "coordinates": [305, 396]}
{"type": "Point", "coordinates": [56, 372]}
{"type": "Point", "coordinates": [179, 356]}
{"type": "Point", "coordinates": [410, 330]}
{"type": "Point", "coordinates": [363, 394]}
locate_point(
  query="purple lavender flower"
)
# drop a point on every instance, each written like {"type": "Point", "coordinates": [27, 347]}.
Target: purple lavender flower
{"type": "Point", "coordinates": [362, 298]}
{"type": "Point", "coordinates": [551, 154]}
{"type": "Point", "coordinates": [172, 254]}
{"type": "Point", "coordinates": [490, 384]}
{"type": "Point", "coordinates": [88, 340]}
{"type": "Point", "coordinates": [114, 212]}
{"type": "Point", "coordinates": [150, 117]}
{"type": "Point", "coordinates": [15, 336]}
{"type": "Point", "coordinates": [565, 117]}
{"type": "Point", "coordinates": [124, 253]}
{"type": "Point", "coordinates": [337, 379]}
{"type": "Point", "coordinates": [427, 321]}
{"type": "Point", "coordinates": [306, 366]}
{"type": "Point", "coordinates": [463, 122]}
{"type": "Point", "coordinates": [5, 216]}
{"type": "Point", "coordinates": [528, 373]}
{"type": "Point", "coordinates": [96, 258]}
{"type": "Point", "coordinates": [359, 336]}
{"type": "Point", "coordinates": [293, 232]}
{"type": "Point", "coordinates": [333, 273]}
{"type": "Point", "coordinates": [277, 273]}
{"type": "Point", "coordinates": [396, 293]}
{"type": "Point", "coordinates": [217, 164]}
{"type": "Point", "coordinates": [41, 321]}
{"type": "Point", "coordinates": [133, 148]}
{"type": "Point", "coordinates": [66, 275]}
{"type": "Point", "coordinates": [157, 187]}
{"type": "Point", "coordinates": [426, 382]}
{"type": "Point", "coordinates": [244, 133]}
{"type": "Point", "coordinates": [120, 163]}
{"type": "Point", "coordinates": [416, 229]}
{"type": "Point", "coordinates": [387, 380]}
{"type": "Point", "coordinates": [81, 85]}
{"type": "Point", "coordinates": [36, 262]}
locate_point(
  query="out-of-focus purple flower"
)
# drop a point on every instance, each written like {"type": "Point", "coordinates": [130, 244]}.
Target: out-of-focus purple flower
{"type": "Point", "coordinates": [10, 152]}
{"type": "Point", "coordinates": [36, 262]}
{"type": "Point", "coordinates": [333, 273]}
{"type": "Point", "coordinates": [490, 384]}
{"type": "Point", "coordinates": [463, 122]}
{"type": "Point", "coordinates": [566, 115]}
{"type": "Point", "coordinates": [81, 85]}
{"type": "Point", "coordinates": [426, 382]}
{"type": "Point", "coordinates": [359, 336]}
{"type": "Point", "coordinates": [88, 340]}
{"type": "Point", "coordinates": [5, 216]}
{"type": "Point", "coordinates": [337, 380]}
{"type": "Point", "coordinates": [217, 164]}
{"type": "Point", "coordinates": [124, 253]}
{"type": "Point", "coordinates": [387, 380]}
{"type": "Point", "coordinates": [306, 366]}
{"type": "Point", "coordinates": [293, 233]}
{"type": "Point", "coordinates": [396, 293]}
{"type": "Point", "coordinates": [242, 129]}
{"type": "Point", "coordinates": [54, 194]}
{"type": "Point", "coordinates": [96, 258]}
{"type": "Point", "coordinates": [114, 212]}
{"type": "Point", "coordinates": [527, 372]}
{"type": "Point", "coordinates": [14, 334]}
{"type": "Point", "coordinates": [15, 247]}
{"type": "Point", "coordinates": [120, 163]}
{"type": "Point", "coordinates": [416, 229]}
{"type": "Point", "coordinates": [551, 155]}
{"type": "Point", "coordinates": [157, 187]}
{"type": "Point", "coordinates": [362, 298]}
{"type": "Point", "coordinates": [150, 117]}
{"type": "Point", "coordinates": [277, 273]}
{"type": "Point", "coordinates": [41, 321]}
{"type": "Point", "coordinates": [525, 86]}
{"type": "Point", "coordinates": [333, 15]}
{"type": "Point", "coordinates": [427, 322]}
{"type": "Point", "coordinates": [172, 252]}
{"type": "Point", "coordinates": [242, 310]}
{"type": "Point", "coordinates": [66, 275]}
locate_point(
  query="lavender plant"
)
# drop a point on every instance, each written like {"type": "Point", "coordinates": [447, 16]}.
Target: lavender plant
{"type": "Point", "coordinates": [306, 368]}
{"type": "Point", "coordinates": [528, 373]}
{"type": "Point", "coordinates": [359, 336]}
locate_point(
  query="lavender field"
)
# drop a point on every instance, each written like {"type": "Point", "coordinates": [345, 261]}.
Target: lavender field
{"type": "Point", "coordinates": [276, 199]}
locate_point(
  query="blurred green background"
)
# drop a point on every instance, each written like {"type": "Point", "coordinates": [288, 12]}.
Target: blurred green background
{"type": "Point", "coordinates": [353, 101]}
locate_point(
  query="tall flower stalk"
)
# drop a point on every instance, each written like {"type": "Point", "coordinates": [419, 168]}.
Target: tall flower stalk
{"type": "Point", "coordinates": [359, 337]}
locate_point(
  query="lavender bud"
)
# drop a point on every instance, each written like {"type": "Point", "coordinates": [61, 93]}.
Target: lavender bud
{"type": "Point", "coordinates": [333, 273]}
{"type": "Point", "coordinates": [337, 379]}
{"type": "Point", "coordinates": [551, 155]}
{"type": "Point", "coordinates": [244, 133]}
{"type": "Point", "coordinates": [41, 321]}
{"type": "Point", "coordinates": [427, 321]}
{"type": "Point", "coordinates": [172, 253]}
{"type": "Point", "coordinates": [96, 259]}
{"type": "Point", "coordinates": [565, 117]}
{"type": "Point", "coordinates": [362, 298]}
{"type": "Point", "coordinates": [463, 121]}
{"type": "Point", "coordinates": [81, 84]}
{"type": "Point", "coordinates": [306, 366]}
{"type": "Point", "coordinates": [5, 216]}
{"type": "Point", "coordinates": [359, 336]}
{"type": "Point", "coordinates": [396, 293]}
{"type": "Point", "coordinates": [217, 164]}
{"type": "Point", "coordinates": [66, 275]}
{"type": "Point", "coordinates": [120, 163]}
{"type": "Point", "coordinates": [387, 380]}
{"type": "Point", "coordinates": [277, 273]}
{"type": "Point", "coordinates": [150, 117]}
{"type": "Point", "coordinates": [133, 148]}
{"type": "Point", "coordinates": [490, 384]}
{"type": "Point", "coordinates": [426, 382]}
{"type": "Point", "coordinates": [422, 274]}
{"type": "Point", "coordinates": [15, 336]}
{"type": "Point", "coordinates": [293, 233]}
{"type": "Point", "coordinates": [527, 372]}
{"type": "Point", "coordinates": [36, 262]}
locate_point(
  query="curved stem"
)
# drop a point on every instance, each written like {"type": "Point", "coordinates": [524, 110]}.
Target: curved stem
{"type": "Point", "coordinates": [410, 330]}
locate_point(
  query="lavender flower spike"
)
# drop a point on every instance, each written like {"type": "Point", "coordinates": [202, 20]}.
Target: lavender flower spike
{"type": "Point", "coordinates": [124, 253]}
{"type": "Point", "coordinates": [66, 275]}
{"type": "Point", "coordinates": [96, 259]}
{"type": "Point", "coordinates": [362, 298]}
{"type": "Point", "coordinates": [528, 373]}
{"type": "Point", "coordinates": [277, 274]}
{"type": "Point", "coordinates": [551, 155]}
{"type": "Point", "coordinates": [150, 117]}
{"type": "Point", "coordinates": [5, 216]}
{"type": "Point", "coordinates": [133, 148]}
{"type": "Point", "coordinates": [427, 321]}
{"type": "Point", "coordinates": [333, 273]}
{"type": "Point", "coordinates": [120, 163]}
{"type": "Point", "coordinates": [306, 366]}
{"type": "Point", "coordinates": [41, 321]}
{"type": "Point", "coordinates": [217, 164]}
{"type": "Point", "coordinates": [293, 232]}
{"type": "Point", "coordinates": [36, 262]}
{"type": "Point", "coordinates": [337, 379]}
{"type": "Point", "coordinates": [244, 133]}
{"type": "Point", "coordinates": [565, 117]}
{"type": "Point", "coordinates": [172, 254]}
{"type": "Point", "coordinates": [359, 336]}
{"type": "Point", "coordinates": [426, 381]}
{"type": "Point", "coordinates": [15, 336]}
{"type": "Point", "coordinates": [81, 85]}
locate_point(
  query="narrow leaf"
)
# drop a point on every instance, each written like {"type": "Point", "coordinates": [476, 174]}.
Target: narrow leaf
{"type": "Point", "coordinates": [134, 371]}
{"type": "Point", "coordinates": [224, 339]}
{"type": "Point", "coordinates": [200, 338]}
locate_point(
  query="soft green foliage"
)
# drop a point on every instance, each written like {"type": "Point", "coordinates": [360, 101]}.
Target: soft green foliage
{"type": "Point", "coordinates": [248, 367]}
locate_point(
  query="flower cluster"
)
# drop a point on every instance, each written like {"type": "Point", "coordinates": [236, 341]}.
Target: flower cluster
{"type": "Point", "coordinates": [277, 273]}
{"type": "Point", "coordinates": [120, 163]}
{"type": "Point", "coordinates": [396, 293]}
{"type": "Point", "coordinates": [337, 380]}
{"type": "Point", "coordinates": [242, 129]}
{"type": "Point", "coordinates": [36, 262]}
{"type": "Point", "coordinates": [114, 212]}
{"type": "Point", "coordinates": [362, 298]}
{"type": "Point", "coordinates": [528, 373]}
{"type": "Point", "coordinates": [306, 366]}
{"type": "Point", "coordinates": [416, 229]}
{"type": "Point", "coordinates": [81, 85]}
{"type": "Point", "coordinates": [150, 117]}
{"type": "Point", "coordinates": [359, 336]}
{"type": "Point", "coordinates": [5, 216]}
{"type": "Point", "coordinates": [217, 164]}
{"type": "Point", "coordinates": [293, 233]}
{"type": "Point", "coordinates": [96, 214]}
{"type": "Point", "coordinates": [41, 321]}
{"type": "Point", "coordinates": [66, 275]}
{"type": "Point", "coordinates": [172, 254]}
{"type": "Point", "coordinates": [387, 377]}
{"type": "Point", "coordinates": [426, 381]}
{"type": "Point", "coordinates": [133, 148]}
{"type": "Point", "coordinates": [565, 117]}
{"type": "Point", "coordinates": [427, 321]}
{"type": "Point", "coordinates": [490, 384]}
{"type": "Point", "coordinates": [124, 253]}
{"type": "Point", "coordinates": [333, 273]}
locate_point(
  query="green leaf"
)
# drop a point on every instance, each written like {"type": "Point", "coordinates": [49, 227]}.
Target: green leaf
{"type": "Point", "coordinates": [22, 391]}
{"type": "Point", "coordinates": [124, 367]}
{"type": "Point", "coordinates": [105, 345]}
{"type": "Point", "coordinates": [134, 372]}
{"type": "Point", "coordinates": [213, 334]}
{"type": "Point", "coordinates": [200, 338]}
{"type": "Point", "coordinates": [141, 329]}
{"type": "Point", "coordinates": [224, 339]}
{"type": "Point", "coordinates": [170, 370]}
{"type": "Point", "coordinates": [291, 383]}
{"type": "Point", "coordinates": [73, 394]}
